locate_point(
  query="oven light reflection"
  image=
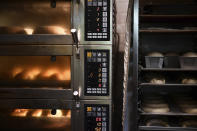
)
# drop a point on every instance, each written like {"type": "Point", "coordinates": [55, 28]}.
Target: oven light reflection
{"type": "Point", "coordinates": [20, 112]}
{"type": "Point", "coordinates": [40, 113]}
{"type": "Point", "coordinates": [37, 113]}
{"type": "Point", "coordinates": [29, 31]}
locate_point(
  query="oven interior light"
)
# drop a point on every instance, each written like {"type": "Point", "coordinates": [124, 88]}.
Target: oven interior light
{"type": "Point", "coordinates": [29, 31]}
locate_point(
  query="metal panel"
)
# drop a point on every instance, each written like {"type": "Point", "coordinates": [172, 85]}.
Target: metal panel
{"type": "Point", "coordinates": [79, 19]}
{"type": "Point", "coordinates": [32, 93]}
{"type": "Point", "coordinates": [79, 72]}
{"type": "Point", "coordinates": [79, 113]}
{"type": "Point", "coordinates": [36, 104]}
{"type": "Point", "coordinates": [36, 39]}
{"type": "Point", "coordinates": [35, 50]}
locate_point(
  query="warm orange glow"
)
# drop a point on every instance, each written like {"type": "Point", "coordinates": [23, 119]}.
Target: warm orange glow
{"type": "Point", "coordinates": [35, 68]}
{"type": "Point", "coordinates": [59, 113]}
{"type": "Point", "coordinates": [20, 112]}
{"type": "Point", "coordinates": [40, 113]}
{"type": "Point", "coordinates": [16, 71]}
{"type": "Point", "coordinates": [29, 31]}
{"type": "Point", "coordinates": [68, 114]}
{"type": "Point", "coordinates": [37, 113]}
{"type": "Point", "coordinates": [32, 74]}
{"type": "Point", "coordinates": [59, 30]}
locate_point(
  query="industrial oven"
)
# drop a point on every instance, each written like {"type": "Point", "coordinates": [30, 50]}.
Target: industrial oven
{"type": "Point", "coordinates": [160, 66]}
{"type": "Point", "coordinates": [56, 65]}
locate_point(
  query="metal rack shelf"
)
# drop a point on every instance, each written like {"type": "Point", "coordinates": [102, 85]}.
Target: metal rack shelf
{"type": "Point", "coordinates": [164, 85]}
{"type": "Point", "coordinates": [167, 18]}
{"type": "Point", "coordinates": [166, 128]}
{"type": "Point", "coordinates": [167, 69]}
{"type": "Point", "coordinates": [168, 114]}
{"type": "Point", "coordinates": [167, 31]}
{"type": "Point", "coordinates": [36, 39]}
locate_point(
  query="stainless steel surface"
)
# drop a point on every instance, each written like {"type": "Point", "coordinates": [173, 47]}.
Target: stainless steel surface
{"type": "Point", "coordinates": [69, 14]}
{"type": "Point", "coordinates": [33, 14]}
{"type": "Point", "coordinates": [79, 72]}
{"type": "Point", "coordinates": [36, 50]}
{"type": "Point", "coordinates": [78, 23]}
{"type": "Point", "coordinates": [76, 114]}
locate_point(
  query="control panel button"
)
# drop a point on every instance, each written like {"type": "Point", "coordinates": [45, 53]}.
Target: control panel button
{"type": "Point", "coordinates": [94, 119]}
{"type": "Point", "coordinates": [96, 73]}
{"type": "Point", "coordinates": [97, 19]}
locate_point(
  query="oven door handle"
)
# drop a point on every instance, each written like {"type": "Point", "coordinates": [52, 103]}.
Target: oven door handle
{"type": "Point", "coordinates": [76, 41]}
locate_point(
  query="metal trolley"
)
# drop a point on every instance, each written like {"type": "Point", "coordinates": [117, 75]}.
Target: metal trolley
{"type": "Point", "coordinates": [160, 26]}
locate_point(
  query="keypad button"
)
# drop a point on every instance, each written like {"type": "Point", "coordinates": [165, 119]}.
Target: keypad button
{"type": "Point", "coordinates": [104, 3]}
{"type": "Point", "coordinates": [104, 85]}
{"type": "Point", "coordinates": [104, 119]}
{"type": "Point", "coordinates": [100, 3]}
{"type": "Point", "coordinates": [104, 75]}
{"type": "Point", "coordinates": [104, 129]}
{"type": "Point", "coordinates": [94, 54]}
{"type": "Point", "coordinates": [98, 108]}
{"type": "Point", "coordinates": [104, 109]}
{"type": "Point", "coordinates": [98, 113]}
{"type": "Point", "coordinates": [104, 64]}
{"type": "Point", "coordinates": [104, 8]}
{"type": "Point", "coordinates": [104, 124]}
{"type": "Point", "coordinates": [104, 69]}
{"type": "Point", "coordinates": [104, 14]}
{"type": "Point", "coordinates": [104, 19]}
{"type": "Point", "coordinates": [104, 59]}
{"type": "Point", "coordinates": [99, 54]}
{"type": "Point", "coordinates": [104, 80]}
{"type": "Point", "coordinates": [104, 114]}
{"type": "Point", "coordinates": [94, 3]}
{"type": "Point", "coordinates": [104, 29]}
{"type": "Point", "coordinates": [104, 24]}
{"type": "Point", "coordinates": [98, 59]}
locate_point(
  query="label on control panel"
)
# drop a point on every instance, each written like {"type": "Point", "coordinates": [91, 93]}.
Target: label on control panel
{"type": "Point", "coordinates": [97, 20]}
{"type": "Point", "coordinates": [96, 73]}
{"type": "Point", "coordinates": [96, 117]}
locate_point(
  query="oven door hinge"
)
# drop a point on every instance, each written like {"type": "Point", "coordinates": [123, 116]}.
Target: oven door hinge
{"type": "Point", "coordinates": [76, 98]}
{"type": "Point", "coordinates": [76, 42]}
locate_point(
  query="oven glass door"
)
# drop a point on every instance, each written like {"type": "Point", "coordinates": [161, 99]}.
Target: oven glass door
{"type": "Point", "coordinates": [35, 119]}
{"type": "Point", "coordinates": [35, 77]}
{"type": "Point", "coordinates": [35, 17]}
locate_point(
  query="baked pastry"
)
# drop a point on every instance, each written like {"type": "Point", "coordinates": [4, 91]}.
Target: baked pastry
{"type": "Point", "coordinates": [155, 54]}
{"type": "Point", "coordinates": [50, 30]}
{"type": "Point", "coordinates": [189, 81]}
{"type": "Point", "coordinates": [157, 122]}
{"type": "Point", "coordinates": [158, 81]}
{"type": "Point", "coordinates": [156, 110]}
{"type": "Point", "coordinates": [190, 54]}
{"type": "Point", "coordinates": [189, 123]}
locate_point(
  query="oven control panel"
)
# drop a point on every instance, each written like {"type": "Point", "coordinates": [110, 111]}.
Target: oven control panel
{"type": "Point", "coordinates": [97, 20]}
{"type": "Point", "coordinates": [96, 117]}
{"type": "Point", "coordinates": [96, 72]}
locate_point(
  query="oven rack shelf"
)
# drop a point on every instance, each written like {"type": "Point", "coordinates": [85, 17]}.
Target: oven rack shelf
{"type": "Point", "coordinates": [36, 39]}
{"type": "Point", "coordinates": [167, 18]}
{"type": "Point", "coordinates": [167, 128]}
{"type": "Point", "coordinates": [165, 85]}
{"type": "Point", "coordinates": [167, 69]}
{"type": "Point", "coordinates": [168, 31]}
{"type": "Point", "coordinates": [34, 83]}
{"type": "Point", "coordinates": [167, 114]}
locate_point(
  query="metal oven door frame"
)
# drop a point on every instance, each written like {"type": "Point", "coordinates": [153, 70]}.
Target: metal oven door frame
{"type": "Point", "coordinates": [38, 50]}
{"type": "Point", "coordinates": [78, 117]}
{"type": "Point", "coordinates": [80, 72]}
